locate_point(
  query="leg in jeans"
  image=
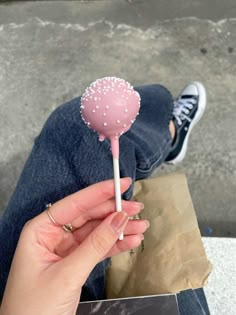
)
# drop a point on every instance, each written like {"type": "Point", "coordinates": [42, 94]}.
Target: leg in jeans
{"type": "Point", "coordinates": [67, 157]}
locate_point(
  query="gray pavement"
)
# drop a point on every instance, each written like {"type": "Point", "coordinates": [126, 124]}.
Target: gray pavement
{"type": "Point", "coordinates": [220, 290]}
{"type": "Point", "coordinates": [50, 51]}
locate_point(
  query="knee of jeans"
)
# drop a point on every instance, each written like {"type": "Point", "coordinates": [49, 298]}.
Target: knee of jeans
{"type": "Point", "coordinates": [68, 112]}
{"type": "Point", "coordinates": [157, 87]}
{"type": "Point", "coordinates": [162, 89]}
{"type": "Point", "coordinates": [63, 120]}
{"type": "Point", "coordinates": [155, 91]}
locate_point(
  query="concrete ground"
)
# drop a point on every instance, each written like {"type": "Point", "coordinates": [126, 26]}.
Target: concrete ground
{"type": "Point", "coordinates": [50, 51]}
{"type": "Point", "coordinates": [220, 290]}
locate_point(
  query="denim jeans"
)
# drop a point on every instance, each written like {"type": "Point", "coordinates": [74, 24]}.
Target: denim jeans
{"type": "Point", "coordinates": [67, 157]}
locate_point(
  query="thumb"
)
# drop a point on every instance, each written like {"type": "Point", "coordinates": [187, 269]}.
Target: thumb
{"type": "Point", "coordinates": [95, 247]}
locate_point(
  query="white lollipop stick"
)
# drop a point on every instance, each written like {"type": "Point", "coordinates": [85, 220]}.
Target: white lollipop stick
{"type": "Point", "coordinates": [116, 169]}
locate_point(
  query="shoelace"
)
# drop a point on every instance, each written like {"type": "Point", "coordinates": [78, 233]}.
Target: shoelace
{"type": "Point", "coordinates": [182, 108]}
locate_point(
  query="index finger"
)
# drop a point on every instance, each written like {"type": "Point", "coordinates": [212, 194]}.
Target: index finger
{"type": "Point", "coordinates": [69, 208]}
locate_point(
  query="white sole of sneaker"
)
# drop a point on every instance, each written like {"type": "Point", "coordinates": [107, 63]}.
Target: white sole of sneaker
{"type": "Point", "coordinates": [201, 108]}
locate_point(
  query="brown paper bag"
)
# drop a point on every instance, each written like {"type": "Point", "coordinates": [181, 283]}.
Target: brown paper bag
{"type": "Point", "coordinates": [171, 257]}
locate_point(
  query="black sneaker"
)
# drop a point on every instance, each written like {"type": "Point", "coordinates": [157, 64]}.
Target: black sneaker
{"type": "Point", "coordinates": [188, 110]}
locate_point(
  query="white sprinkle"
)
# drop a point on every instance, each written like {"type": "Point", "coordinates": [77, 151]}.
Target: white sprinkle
{"type": "Point", "coordinates": [124, 125]}
{"type": "Point", "coordinates": [131, 121]}
{"type": "Point", "coordinates": [94, 110]}
{"type": "Point", "coordinates": [126, 110]}
{"type": "Point", "coordinates": [104, 114]}
{"type": "Point", "coordinates": [82, 106]}
{"type": "Point", "coordinates": [97, 106]}
{"type": "Point", "coordinates": [107, 107]}
{"type": "Point", "coordinates": [118, 121]}
{"type": "Point", "coordinates": [88, 123]}
{"type": "Point", "coordinates": [95, 98]}
{"type": "Point", "coordinates": [104, 124]}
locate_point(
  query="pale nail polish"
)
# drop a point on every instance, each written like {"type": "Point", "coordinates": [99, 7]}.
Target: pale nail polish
{"type": "Point", "coordinates": [119, 221]}
{"type": "Point", "coordinates": [141, 205]}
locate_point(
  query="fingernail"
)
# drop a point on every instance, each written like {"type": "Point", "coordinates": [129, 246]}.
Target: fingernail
{"type": "Point", "coordinates": [141, 205]}
{"type": "Point", "coordinates": [148, 223]}
{"type": "Point", "coordinates": [119, 221]}
{"type": "Point", "coordinates": [130, 181]}
{"type": "Point", "coordinates": [142, 237]}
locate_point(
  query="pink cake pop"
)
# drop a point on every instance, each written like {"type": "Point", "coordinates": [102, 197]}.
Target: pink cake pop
{"type": "Point", "coordinates": [110, 106]}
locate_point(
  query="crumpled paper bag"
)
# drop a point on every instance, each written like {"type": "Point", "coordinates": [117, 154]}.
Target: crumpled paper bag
{"type": "Point", "coordinates": [172, 257]}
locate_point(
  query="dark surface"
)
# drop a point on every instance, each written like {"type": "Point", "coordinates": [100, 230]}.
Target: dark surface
{"type": "Point", "coordinates": [154, 305]}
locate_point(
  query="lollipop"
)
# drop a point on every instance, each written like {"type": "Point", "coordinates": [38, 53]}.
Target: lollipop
{"type": "Point", "coordinates": [110, 106]}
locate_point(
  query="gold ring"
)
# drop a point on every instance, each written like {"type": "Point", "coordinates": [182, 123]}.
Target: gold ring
{"type": "Point", "coordinates": [66, 227]}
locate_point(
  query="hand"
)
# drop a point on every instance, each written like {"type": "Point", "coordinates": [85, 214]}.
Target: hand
{"type": "Point", "coordinates": [50, 265]}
